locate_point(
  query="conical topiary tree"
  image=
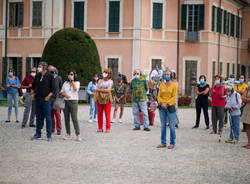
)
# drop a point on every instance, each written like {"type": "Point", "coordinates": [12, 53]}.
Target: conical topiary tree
{"type": "Point", "coordinates": [72, 48]}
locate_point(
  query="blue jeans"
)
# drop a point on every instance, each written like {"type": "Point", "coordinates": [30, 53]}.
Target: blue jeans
{"type": "Point", "coordinates": [43, 110]}
{"type": "Point", "coordinates": [11, 97]}
{"type": "Point", "coordinates": [165, 116]}
{"type": "Point", "coordinates": [93, 108]}
{"type": "Point", "coordinates": [143, 107]}
{"type": "Point", "coordinates": [235, 127]}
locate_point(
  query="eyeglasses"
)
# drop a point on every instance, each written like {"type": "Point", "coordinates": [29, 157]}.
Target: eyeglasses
{"type": "Point", "coordinates": [137, 73]}
{"type": "Point", "coordinates": [71, 74]}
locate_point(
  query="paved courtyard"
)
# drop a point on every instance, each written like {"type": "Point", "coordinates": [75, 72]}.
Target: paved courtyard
{"type": "Point", "coordinates": [122, 157]}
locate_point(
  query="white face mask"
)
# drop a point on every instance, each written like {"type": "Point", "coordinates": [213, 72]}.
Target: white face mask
{"type": "Point", "coordinates": [217, 82]}
{"type": "Point", "coordinates": [33, 74]}
{"type": "Point", "coordinates": [248, 83]}
{"type": "Point", "coordinates": [137, 76]}
{"type": "Point", "coordinates": [39, 69]}
{"type": "Point", "coordinates": [96, 78]}
{"type": "Point", "coordinates": [104, 75]}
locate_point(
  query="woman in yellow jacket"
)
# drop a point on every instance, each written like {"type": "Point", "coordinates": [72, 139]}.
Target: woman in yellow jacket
{"type": "Point", "coordinates": [167, 100]}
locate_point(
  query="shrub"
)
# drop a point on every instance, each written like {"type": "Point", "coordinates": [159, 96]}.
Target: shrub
{"type": "Point", "coordinates": [72, 48]}
{"type": "Point", "coordinates": [184, 101]}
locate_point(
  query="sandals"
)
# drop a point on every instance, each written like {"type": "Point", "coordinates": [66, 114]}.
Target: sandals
{"type": "Point", "coordinates": [171, 146]}
{"type": "Point", "coordinates": [99, 130]}
{"type": "Point", "coordinates": [247, 146]}
{"type": "Point", "coordinates": [161, 146]}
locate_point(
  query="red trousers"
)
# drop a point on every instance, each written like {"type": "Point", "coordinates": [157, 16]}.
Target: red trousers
{"type": "Point", "coordinates": [57, 123]}
{"type": "Point", "coordinates": [151, 118]}
{"type": "Point", "coordinates": [107, 109]}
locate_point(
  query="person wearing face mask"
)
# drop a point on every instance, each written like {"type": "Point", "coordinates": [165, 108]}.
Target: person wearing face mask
{"type": "Point", "coordinates": [167, 110]}
{"type": "Point", "coordinates": [44, 85]}
{"type": "Point", "coordinates": [241, 88]}
{"type": "Point", "coordinates": [120, 91]}
{"type": "Point", "coordinates": [29, 103]}
{"type": "Point", "coordinates": [218, 94]}
{"type": "Point", "coordinates": [233, 105]}
{"type": "Point", "coordinates": [93, 106]}
{"type": "Point", "coordinates": [104, 99]}
{"type": "Point", "coordinates": [56, 113]}
{"type": "Point", "coordinates": [70, 90]}
{"type": "Point", "coordinates": [12, 84]}
{"type": "Point", "coordinates": [201, 101]}
{"type": "Point", "coordinates": [246, 115]}
{"type": "Point", "coordinates": [139, 87]}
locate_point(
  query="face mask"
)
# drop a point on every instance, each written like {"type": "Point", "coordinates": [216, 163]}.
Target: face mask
{"type": "Point", "coordinates": [39, 69]}
{"type": "Point", "coordinates": [52, 72]}
{"type": "Point", "coordinates": [217, 82]}
{"type": "Point", "coordinates": [248, 83]}
{"type": "Point", "coordinates": [229, 93]}
{"type": "Point", "coordinates": [167, 78]}
{"type": "Point", "coordinates": [105, 75]}
{"type": "Point", "coordinates": [222, 82]}
{"type": "Point", "coordinates": [241, 80]}
{"type": "Point", "coordinates": [33, 74]}
{"type": "Point", "coordinates": [202, 81]}
{"type": "Point", "coordinates": [96, 78]}
{"type": "Point", "coordinates": [156, 80]}
{"type": "Point", "coordinates": [137, 76]}
{"type": "Point", "coordinates": [11, 74]}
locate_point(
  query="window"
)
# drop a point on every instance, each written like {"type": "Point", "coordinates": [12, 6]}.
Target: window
{"type": "Point", "coordinates": [219, 20]}
{"type": "Point", "coordinates": [157, 15]}
{"type": "Point", "coordinates": [16, 14]}
{"type": "Point", "coordinates": [233, 69]}
{"type": "Point", "coordinates": [225, 22]}
{"type": "Point", "coordinates": [228, 23]}
{"type": "Point", "coordinates": [114, 16]}
{"type": "Point", "coordinates": [228, 69]}
{"type": "Point", "coordinates": [213, 18]}
{"type": "Point", "coordinates": [192, 17]}
{"type": "Point", "coordinates": [79, 15]}
{"type": "Point", "coordinates": [220, 70]}
{"type": "Point", "coordinates": [31, 62]}
{"type": "Point", "coordinates": [156, 64]}
{"type": "Point", "coordinates": [232, 25]}
{"type": "Point", "coordinates": [37, 13]}
{"type": "Point", "coordinates": [213, 70]}
{"type": "Point", "coordinates": [113, 65]}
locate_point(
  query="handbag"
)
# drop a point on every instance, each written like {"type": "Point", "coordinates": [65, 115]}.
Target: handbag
{"type": "Point", "coordinates": [104, 98]}
{"type": "Point", "coordinates": [59, 103]}
{"type": "Point", "coordinates": [171, 108]}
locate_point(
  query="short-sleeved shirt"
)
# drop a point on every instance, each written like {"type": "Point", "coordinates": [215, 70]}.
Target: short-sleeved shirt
{"type": "Point", "coordinates": [69, 90]}
{"type": "Point", "coordinates": [240, 87]}
{"type": "Point", "coordinates": [27, 81]}
{"type": "Point", "coordinates": [104, 84]}
{"type": "Point", "coordinates": [12, 82]}
{"type": "Point", "coordinates": [139, 88]}
{"type": "Point", "coordinates": [201, 89]}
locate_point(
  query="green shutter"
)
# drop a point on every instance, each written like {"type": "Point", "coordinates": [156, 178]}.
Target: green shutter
{"type": "Point", "coordinates": [79, 15]}
{"type": "Point", "coordinates": [183, 17]}
{"type": "Point", "coordinates": [241, 30]}
{"type": "Point", "coordinates": [232, 25]}
{"type": "Point", "coordinates": [4, 70]}
{"type": "Point", "coordinates": [201, 16]}
{"type": "Point", "coordinates": [228, 23]}
{"type": "Point", "coordinates": [225, 22]}
{"type": "Point", "coordinates": [19, 68]}
{"type": "Point", "coordinates": [28, 65]}
{"type": "Point", "coordinates": [114, 16]}
{"type": "Point", "coordinates": [237, 27]}
{"type": "Point", "coordinates": [157, 15]}
{"type": "Point", "coordinates": [12, 15]}
{"type": "Point", "coordinates": [37, 13]}
{"type": "Point", "coordinates": [20, 14]}
{"type": "Point", "coordinates": [219, 18]}
{"type": "Point", "coordinates": [213, 18]}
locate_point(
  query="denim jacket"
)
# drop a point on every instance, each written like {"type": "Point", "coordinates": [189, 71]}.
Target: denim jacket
{"type": "Point", "coordinates": [235, 103]}
{"type": "Point", "coordinates": [91, 88]}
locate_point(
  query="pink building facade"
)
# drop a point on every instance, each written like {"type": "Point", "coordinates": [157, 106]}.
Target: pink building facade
{"type": "Point", "coordinates": [130, 34]}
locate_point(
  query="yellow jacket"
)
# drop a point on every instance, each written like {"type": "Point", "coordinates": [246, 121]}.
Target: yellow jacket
{"type": "Point", "coordinates": [167, 94]}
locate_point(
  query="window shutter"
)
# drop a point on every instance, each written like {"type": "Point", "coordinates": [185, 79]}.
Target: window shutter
{"type": "Point", "coordinates": [79, 15]}
{"type": "Point", "coordinates": [20, 15]}
{"type": "Point", "coordinates": [19, 68]}
{"type": "Point", "coordinates": [28, 65]}
{"type": "Point", "coordinates": [225, 22]}
{"type": "Point", "coordinates": [201, 16]}
{"type": "Point", "coordinates": [37, 14]}
{"type": "Point", "coordinates": [183, 17]}
{"type": "Point", "coordinates": [219, 16]}
{"type": "Point", "coordinates": [241, 31]}
{"type": "Point", "coordinates": [12, 15]}
{"type": "Point", "coordinates": [114, 16]}
{"type": "Point", "coordinates": [157, 15]}
{"type": "Point", "coordinates": [232, 25]}
{"type": "Point", "coordinates": [228, 23]}
{"type": "Point", "coordinates": [237, 27]}
{"type": "Point", "coordinates": [213, 17]}
{"type": "Point", "coordinates": [4, 69]}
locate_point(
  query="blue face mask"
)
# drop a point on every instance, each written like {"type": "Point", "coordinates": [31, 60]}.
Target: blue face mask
{"type": "Point", "coordinates": [137, 76]}
{"type": "Point", "coordinates": [202, 81]}
{"type": "Point", "coordinates": [167, 78]}
{"type": "Point", "coordinates": [222, 82]}
{"type": "Point", "coordinates": [11, 74]}
{"type": "Point", "coordinates": [241, 80]}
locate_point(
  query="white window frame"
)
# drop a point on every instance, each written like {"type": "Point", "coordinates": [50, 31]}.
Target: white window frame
{"type": "Point", "coordinates": [120, 16]}
{"type": "Point", "coordinates": [31, 13]}
{"type": "Point", "coordinates": [114, 57]}
{"type": "Point", "coordinates": [12, 1]}
{"type": "Point", "coordinates": [156, 57]}
{"type": "Point", "coordinates": [163, 13]}
{"type": "Point", "coordinates": [85, 13]}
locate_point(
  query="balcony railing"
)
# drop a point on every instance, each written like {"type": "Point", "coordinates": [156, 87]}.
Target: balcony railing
{"type": "Point", "coordinates": [192, 36]}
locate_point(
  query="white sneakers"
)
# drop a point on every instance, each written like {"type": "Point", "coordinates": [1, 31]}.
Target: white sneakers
{"type": "Point", "coordinates": [115, 120]}
{"type": "Point", "coordinates": [78, 138]}
{"type": "Point", "coordinates": [68, 137]}
{"type": "Point", "coordinates": [120, 120]}
{"type": "Point", "coordinates": [90, 120]}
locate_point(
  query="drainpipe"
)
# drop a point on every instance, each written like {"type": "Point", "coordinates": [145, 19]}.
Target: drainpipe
{"type": "Point", "coordinates": [218, 72]}
{"type": "Point", "coordinates": [64, 14]}
{"type": "Point", "coordinates": [178, 40]}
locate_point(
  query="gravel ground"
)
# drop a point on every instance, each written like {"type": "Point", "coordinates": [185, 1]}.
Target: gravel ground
{"type": "Point", "coordinates": [123, 156]}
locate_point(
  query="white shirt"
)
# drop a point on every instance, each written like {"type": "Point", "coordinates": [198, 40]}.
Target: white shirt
{"type": "Point", "coordinates": [69, 90]}
{"type": "Point", "coordinates": [104, 84]}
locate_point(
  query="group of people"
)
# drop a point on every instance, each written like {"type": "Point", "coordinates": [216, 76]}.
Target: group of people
{"type": "Point", "coordinates": [226, 97]}
{"type": "Point", "coordinates": [43, 87]}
